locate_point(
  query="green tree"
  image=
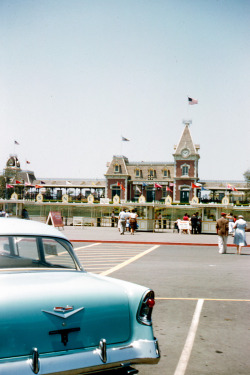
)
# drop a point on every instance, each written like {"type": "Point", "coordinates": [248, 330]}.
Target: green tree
{"type": "Point", "coordinates": [2, 187]}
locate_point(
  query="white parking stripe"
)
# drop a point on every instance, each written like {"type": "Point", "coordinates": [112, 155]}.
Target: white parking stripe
{"type": "Point", "coordinates": [185, 355]}
{"type": "Point", "coordinates": [84, 247]}
{"type": "Point", "coordinates": [119, 266]}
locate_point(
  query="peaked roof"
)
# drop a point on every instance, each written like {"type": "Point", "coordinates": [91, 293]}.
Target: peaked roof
{"type": "Point", "coordinates": [186, 142]}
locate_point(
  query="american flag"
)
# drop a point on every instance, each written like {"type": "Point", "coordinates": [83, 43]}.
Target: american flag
{"type": "Point", "coordinates": [192, 101]}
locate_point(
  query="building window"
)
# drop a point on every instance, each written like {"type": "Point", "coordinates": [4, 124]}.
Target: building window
{"type": "Point", "coordinates": [151, 174]}
{"type": "Point", "coordinates": [138, 173]}
{"type": "Point", "coordinates": [166, 173]}
{"type": "Point", "coordinates": [117, 168]}
{"type": "Point", "coordinates": [185, 170]}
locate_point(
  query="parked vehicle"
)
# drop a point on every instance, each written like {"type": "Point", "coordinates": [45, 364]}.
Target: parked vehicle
{"type": "Point", "coordinates": [56, 318]}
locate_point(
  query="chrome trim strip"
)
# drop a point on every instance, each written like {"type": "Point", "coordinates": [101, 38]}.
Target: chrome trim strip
{"type": "Point", "coordinates": [65, 363]}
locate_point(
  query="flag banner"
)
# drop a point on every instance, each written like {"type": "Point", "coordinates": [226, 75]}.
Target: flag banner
{"type": "Point", "coordinates": [121, 186]}
{"type": "Point", "coordinates": [38, 186]}
{"type": "Point", "coordinates": [27, 162]}
{"type": "Point", "coordinates": [171, 184]}
{"type": "Point", "coordinates": [138, 189]}
{"type": "Point", "coordinates": [144, 184]}
{"type": "Point", "coordinates": [125, 139]}
{"type": "Point", "coordinates": [168, 189]}
{"type": "Point", "coordinates": [18, 182]}
{"type": "Point", "coordinates": [204, 189]}
{"type": "Point", "coordinates": [192, 101]}
{"type": "Point", "coordinates": [158, 185]}
{"type": "Point", "coordinates": [9, 186]}
{"type": "Point", "coordinates": [195, 186]}
{"type": "Point", "coordinates": [231, 187]}
{"type": "Point", "coordinates": [68, 183]}
{"type": "Point", "coordinates": [16, 143]}
{"type": "Point", "coordinates": [42, 182]}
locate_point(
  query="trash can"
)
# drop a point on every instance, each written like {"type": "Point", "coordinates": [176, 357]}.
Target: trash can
{"type": "Point", "coordinates": [98, 222]}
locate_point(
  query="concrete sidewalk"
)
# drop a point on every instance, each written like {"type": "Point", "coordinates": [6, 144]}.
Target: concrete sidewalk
{"type": "Point", "coordinates": [112, 235]}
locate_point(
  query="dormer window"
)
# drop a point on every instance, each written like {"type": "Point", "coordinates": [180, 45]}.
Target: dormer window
{"type": "Point", "coordinates": [138, 173]}
{"type": "Point", "coordinates": [151, 174]}
{"type": "Point", "coordinates": [117, 168]}
{"type": "Point", "coordinates": [166, 173]}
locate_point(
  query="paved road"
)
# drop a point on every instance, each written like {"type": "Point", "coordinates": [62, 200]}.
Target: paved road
{"type": "Point", "coordinates": [202, 314]}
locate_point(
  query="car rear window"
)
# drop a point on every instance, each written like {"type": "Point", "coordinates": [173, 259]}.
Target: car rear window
{"type": "Point", "coordinates": [35, 252]}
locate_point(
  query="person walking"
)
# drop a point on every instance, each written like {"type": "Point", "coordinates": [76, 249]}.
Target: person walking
{"type": "Point", "coordinates": [240, 234]}
{"type": "Point", "coordinates": [222, 231]}
{"type": "Point", "coordinates": [133, 221]}
{"type": "Point", "coordinates": [194, 223]}
{"type": "Point", "coordinates": [230, 224]}
{"type": "Point", "coordinates": [122, 220]}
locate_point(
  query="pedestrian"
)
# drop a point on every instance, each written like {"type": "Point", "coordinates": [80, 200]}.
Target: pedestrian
{"type": "Point", "coordinates": [127, 225]}
{"type": "Point", "coordinates": [177, 224]}
{"type": "Point", "coordinates": [133, 221]}
{"type": "Point", "coordinates": [222, 231]}
{"type": "Point", "coordinates": [113, 219]}
{"type": "Point", "coordinates": [230, 224]}
{"type": "Point", "coordinates": [199, 221]}
{"type": "Point", "coordinates": [122, 221]}
{"type": "Point", "coordinates": [240, 234]}
{"type": "Point", "coordinates": [194, 221]}
{"type": "Point", "coordinates": [25, 214]}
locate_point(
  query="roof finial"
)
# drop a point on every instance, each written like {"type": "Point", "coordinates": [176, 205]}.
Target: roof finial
{"type": "Point", "coordinates": [187, 122]}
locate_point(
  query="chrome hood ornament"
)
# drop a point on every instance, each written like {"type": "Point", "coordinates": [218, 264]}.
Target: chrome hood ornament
{"type": "Point", "coordinates": [63, 312]}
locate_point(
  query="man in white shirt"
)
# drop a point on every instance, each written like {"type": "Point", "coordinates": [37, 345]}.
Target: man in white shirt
{"type": "Point", "coordinates": [122, 220]}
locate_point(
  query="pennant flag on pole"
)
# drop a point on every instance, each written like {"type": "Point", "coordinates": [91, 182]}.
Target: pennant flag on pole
{"type": "Point", "coordinates": [158, 185]}
{"type": "Point", "coordinates": [168, 189]}
{"type": "Point", "coordinates": [18, 182]}
{"type": "Point", "coordinates": [9, 186]}
{"type": "Point", "coordinates": [138, 189]}
{"type": "Point", "coordinates": [125, 139]}
{"type": "Point", "coordinates": [198, 186]}
{"type": "Point", "coordinates": [27, 162]}
{"type": "Point", "coordinates": [171, 184]}
{"type": "Point", "coordinates": [231, 187]}
{"type": "Point", "coordinates": [16, 143]}
{"type": "Point", "coordinates": [192, 101]}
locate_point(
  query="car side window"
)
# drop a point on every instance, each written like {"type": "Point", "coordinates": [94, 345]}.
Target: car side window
{"type": "Point", "coordinates": [4, 246]}
{"type": "Point", "coordinates": [55, 253]}
{"type": "Point", "coordinates": [26, 247]}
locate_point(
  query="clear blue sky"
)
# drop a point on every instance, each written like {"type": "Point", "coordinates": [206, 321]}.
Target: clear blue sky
{"type": "Point", "coordinates": [78, 74]}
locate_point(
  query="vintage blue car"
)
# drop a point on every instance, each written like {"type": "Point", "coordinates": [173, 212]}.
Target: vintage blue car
{"type": "Point", "coordinates": [56, 318]}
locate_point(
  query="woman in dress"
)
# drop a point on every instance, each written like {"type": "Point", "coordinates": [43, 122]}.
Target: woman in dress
{"type": "Point", "coordinates": [240, 234]}
{"type": "Point", "coordinates": [133, 221]}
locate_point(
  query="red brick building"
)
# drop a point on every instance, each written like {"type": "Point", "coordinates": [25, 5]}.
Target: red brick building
{"type": "Point", "coordinates": [156, 180]}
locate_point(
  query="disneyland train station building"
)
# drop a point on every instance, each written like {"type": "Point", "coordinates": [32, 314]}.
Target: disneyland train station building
{"type": "Point", "coordinates": [168, 189]}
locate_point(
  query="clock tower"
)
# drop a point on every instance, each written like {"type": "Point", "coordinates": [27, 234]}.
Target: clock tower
{"type": "Point", "coordinates": [186, 159]}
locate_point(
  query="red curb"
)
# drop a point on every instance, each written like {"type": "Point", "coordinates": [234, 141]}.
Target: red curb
{"type": "Point", "coordinates": [155, 243]}
{"type": "Point", "coordinates": [148, 243]}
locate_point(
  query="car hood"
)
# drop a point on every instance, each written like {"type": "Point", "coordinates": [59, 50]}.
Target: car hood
{"type": "Point", "coordinates": [95, 309]}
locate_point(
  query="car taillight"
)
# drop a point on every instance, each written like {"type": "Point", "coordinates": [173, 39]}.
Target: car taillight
{"type": "Point", "coordinates": [144, 314]}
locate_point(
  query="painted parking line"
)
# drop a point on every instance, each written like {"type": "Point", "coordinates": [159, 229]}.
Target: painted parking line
{"type": "Point", "coordinates": [127, 262]}
{"type": "Point", "coordinates": [186, 352]}
{"type": "Point", "coordinates": [105, 257]}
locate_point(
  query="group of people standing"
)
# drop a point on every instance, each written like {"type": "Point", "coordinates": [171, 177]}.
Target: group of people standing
{"type": "Point", "coordinates": [228, 225]}
{"type": "Point", "coordinates": [194, 223]}
{"type": "Point", "coordinates": [127, 221]}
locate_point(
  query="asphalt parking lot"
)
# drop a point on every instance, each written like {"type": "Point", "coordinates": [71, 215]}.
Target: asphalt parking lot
{"type": "Point", "coordinates": [202, 312]}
